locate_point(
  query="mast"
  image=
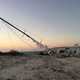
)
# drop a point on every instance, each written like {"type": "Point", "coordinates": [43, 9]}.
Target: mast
{"type": "Point", "coordinates": [34, 40]}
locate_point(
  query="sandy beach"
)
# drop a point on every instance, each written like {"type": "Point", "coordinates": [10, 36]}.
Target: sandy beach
{"type": "Point", "coordinates": [39, 68]}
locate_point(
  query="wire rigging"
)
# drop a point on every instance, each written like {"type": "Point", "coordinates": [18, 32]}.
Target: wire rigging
{"type": "Point", "coordinates": [35, 41]}
{"type": "Point", "coordinates": [21, 39]}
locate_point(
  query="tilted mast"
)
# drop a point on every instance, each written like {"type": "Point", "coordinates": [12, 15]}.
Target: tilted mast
{"type": "Point", "coordinates": [35, 41]}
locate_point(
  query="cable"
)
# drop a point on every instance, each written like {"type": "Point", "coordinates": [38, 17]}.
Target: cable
{"type": "Point", "coordinates": [19, 37]}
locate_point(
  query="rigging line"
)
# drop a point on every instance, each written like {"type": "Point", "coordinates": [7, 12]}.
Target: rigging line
{"type": "Point", "coordinates": [16, 34]}
{"type": "Point", "coordinates": [5, 29]}
{"type": "Point", "coordinates": [24, 31]}
{"type": "Point", "coordinates": [19, 37]}
{"type": "Point", "coordinates": [0, 27]}
{"type": "Point", "coordinates": [35, 41]}
{"type": "Point", "coordinates": [9, 35]}
{"type": "Point", "coordinates": [27, 31]}
{"type": "Point", "coordinates": [22, 35]}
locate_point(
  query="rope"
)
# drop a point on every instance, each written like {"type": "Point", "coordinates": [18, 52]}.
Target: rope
{"type": "Point", "coordinates": [19, 37]}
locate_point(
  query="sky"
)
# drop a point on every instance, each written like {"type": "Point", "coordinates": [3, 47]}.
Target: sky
{"type": "Point", "coordinates": [53, 22]}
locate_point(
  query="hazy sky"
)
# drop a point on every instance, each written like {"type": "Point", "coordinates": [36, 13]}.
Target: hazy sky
{"type": "Point", "coordinates": [55, 22]}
